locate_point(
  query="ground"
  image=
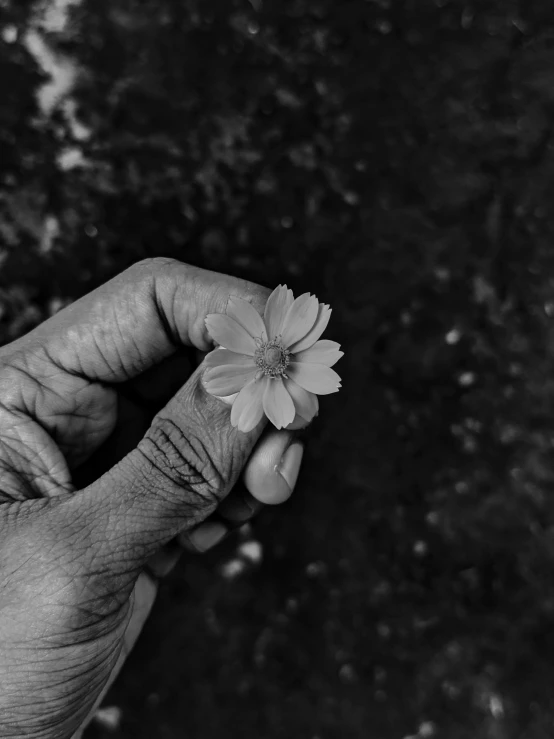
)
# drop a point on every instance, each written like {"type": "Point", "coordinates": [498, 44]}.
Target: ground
{"type": "Point", "coordinates": [396, 158]}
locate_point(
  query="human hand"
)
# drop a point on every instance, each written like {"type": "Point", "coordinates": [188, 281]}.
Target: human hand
{"type": "Point", "coordinates": [97, 392]}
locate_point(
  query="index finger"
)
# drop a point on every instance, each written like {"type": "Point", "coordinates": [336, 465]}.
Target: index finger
{"type": "Point", "coordinates": [138, 319]}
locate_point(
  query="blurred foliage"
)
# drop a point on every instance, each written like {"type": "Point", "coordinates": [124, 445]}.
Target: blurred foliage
{"type": "Point", "coordinates": [397, 159]}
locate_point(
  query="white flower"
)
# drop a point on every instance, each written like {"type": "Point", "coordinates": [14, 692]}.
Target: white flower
{"type": "Point", "coordinates": [276, 364]}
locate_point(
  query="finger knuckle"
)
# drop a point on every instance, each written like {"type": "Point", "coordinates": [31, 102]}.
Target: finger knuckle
{"type": "Point", "coordinates": [153, 269]}
{"type": "Point", "coordinates": [255, 294]}
{"type": "Point", "coordinates": [156, 264]}
{"type": "Point", "coordinates": [183, 460]}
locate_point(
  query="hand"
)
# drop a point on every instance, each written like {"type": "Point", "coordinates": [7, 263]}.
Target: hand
{"type": "Point", "coordinates": [101, 385]}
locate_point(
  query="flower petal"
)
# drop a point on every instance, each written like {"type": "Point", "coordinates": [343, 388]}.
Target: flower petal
{"type": "Point", "coordinates": [322, 352]}
{"type": "Point", "coordinates": [316, 378]}
{"type": "Point", "coordinates": [248, 408]}
{"type": "Point", "coordinates": [244, 313]}
{"type": "Point", "coordinates": [319, 327]}
{"type": "Point", "coordinates": [219, 357]}
{"type": "Point", "coordinates": [230, 334]}
{"type": "Point", "coordinates": [278, 405]}
{"type": "Point", "coordinates": [276, 309]}
{"type": "Point", "coordinates": [228, 378]}
{"type": "Point", "coordinates": [300, 319]}
{"type": "Point", "coordinates": [305, 403]}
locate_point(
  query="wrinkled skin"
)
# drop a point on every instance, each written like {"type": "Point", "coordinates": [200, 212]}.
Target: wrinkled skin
{"type": "Point", "coordinates": [105, 458]}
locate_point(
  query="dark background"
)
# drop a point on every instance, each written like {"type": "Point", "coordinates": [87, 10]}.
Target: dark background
{"type": "Point", "coordinates": [396, 158]}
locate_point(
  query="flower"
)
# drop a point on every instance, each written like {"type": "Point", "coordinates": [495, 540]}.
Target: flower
{"type": "Point", "coordinates": [276, 364]}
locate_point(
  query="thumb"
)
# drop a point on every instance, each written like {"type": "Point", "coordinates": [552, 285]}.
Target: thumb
{"type": "Point", "coordinates": [187, 462]}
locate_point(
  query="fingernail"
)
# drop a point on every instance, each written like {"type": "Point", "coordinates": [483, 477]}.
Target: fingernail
{"type": "Point", "coordinates": [289, 467]}
{"type": "Point", "coordinates": [207, 535]}
{"type": "Point", "coordinates": [227, 399]}
{"type": "Point", "coordinates": [165, 560]}
{"type": "Point", "coordinates": [238, 509]}
{"type": "Point", "coordinates": [297, 424]}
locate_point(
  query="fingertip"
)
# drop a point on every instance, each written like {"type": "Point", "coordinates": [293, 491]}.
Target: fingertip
{"type": "Point", "coordinates": [204, 537]}
{"type": "Point", "coordinates": [289, 467]}
{"type": "Point", "coordinates": [239, 507]}
{"type": "Point", "coordinates": [270, 488]}
{"type": "Point", "coordinates": [161, 563]}
{"type": "Point", "coordinates": [227, 399]}
{"type": "Point", "coordinates": [298, 424]}
{"type": "Point", "coordinates": [224, 399]}
{"type": "Point", "coordinates": [272, 470]}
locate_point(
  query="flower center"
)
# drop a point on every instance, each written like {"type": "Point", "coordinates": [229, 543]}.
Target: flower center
{"type": "Point", "coordinates": [272, 358]}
